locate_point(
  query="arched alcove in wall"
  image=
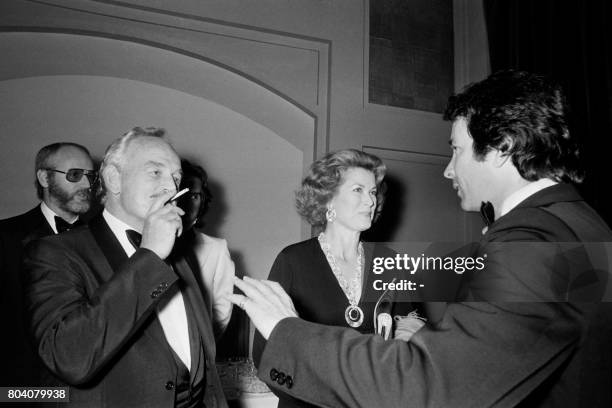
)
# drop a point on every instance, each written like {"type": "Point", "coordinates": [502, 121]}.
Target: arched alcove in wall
{"type": "Point", "coordinates": [254, 142]}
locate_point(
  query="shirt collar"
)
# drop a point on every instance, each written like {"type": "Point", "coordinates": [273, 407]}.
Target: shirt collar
{"type": "Point", "coordinates": [118, 228]}
{"type": "Point", "coordinates": [523, 193]}
{"type": "Point", "coordinates": [50, 215]}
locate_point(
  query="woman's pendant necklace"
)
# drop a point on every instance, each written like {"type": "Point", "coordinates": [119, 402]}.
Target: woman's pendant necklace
{"type": "Point", "coordinates": [353, 313]}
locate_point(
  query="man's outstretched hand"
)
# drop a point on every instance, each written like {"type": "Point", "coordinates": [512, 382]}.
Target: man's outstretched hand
{"type": "Point", "coordinates": [265, 302]}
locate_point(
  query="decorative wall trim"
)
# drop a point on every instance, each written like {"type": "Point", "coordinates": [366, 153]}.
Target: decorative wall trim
{"type": "Point", "coordinates": [295, 67]}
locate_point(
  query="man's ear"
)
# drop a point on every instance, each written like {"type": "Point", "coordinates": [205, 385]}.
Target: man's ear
{"type": "Point", "coordinates": [506, 145]}
{"type": "Point", "coordinates": [43, 177]}
{"type": "Point", "coordinates": [502, 153]}
{"type": "Point", "coordinates": [112, 179]}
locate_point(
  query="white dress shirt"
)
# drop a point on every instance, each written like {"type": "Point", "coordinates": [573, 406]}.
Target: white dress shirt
{"type": "Point", "coordinates": [50, 215]}
{"type": "Point", "coordinates": [171, 310]}
{"type": "Point", "coordinates": [523, 193]}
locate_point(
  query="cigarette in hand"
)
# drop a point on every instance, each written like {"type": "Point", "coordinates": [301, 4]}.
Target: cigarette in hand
{"type": "Point", "coordinates": [177, 195]}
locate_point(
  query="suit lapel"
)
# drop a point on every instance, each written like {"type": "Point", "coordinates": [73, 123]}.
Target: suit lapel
{"type": "Point", "coordinates": [37, 226]}
{"type": "Point", "coordinates": [187, 267]}
{"type": "Point", "coordinates": [115, 256]}
{"type": "Point", "coordinates": [108, 243]}
{"type": "Point", "coordinates": [194, 299]}
{"type": "Point", "coordinates": [184, 264]}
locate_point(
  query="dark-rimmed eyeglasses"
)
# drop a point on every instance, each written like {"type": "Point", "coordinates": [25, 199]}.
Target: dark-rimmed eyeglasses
{"type": "Point", "coordinates": [75, 175]}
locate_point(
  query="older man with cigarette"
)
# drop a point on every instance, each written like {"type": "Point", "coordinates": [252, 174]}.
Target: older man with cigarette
{"type": "Point", "coordinates": [115, 309]}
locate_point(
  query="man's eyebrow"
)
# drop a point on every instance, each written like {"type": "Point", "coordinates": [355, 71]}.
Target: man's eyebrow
{"type": "Point", "coordinates": [154, 163]}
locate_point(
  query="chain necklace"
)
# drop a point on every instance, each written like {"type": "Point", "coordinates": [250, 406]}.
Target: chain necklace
{"type": "Point", "coordinates": [353, 313]}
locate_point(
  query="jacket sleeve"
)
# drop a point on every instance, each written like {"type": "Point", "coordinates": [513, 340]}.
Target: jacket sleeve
{"type": "Point", "coordinates": [79, 324]}
{"type": "Point", "coordinates": [481, 355]}
{"type": "Point", "coordinates": [223, 286]}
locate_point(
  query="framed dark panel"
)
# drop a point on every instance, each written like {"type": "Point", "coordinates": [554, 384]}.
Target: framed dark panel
{"type": "Point", "coordinates": [411, 53]}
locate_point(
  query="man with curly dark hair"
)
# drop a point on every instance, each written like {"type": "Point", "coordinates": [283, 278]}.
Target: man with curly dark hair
{"type": "Point", "coordinates": [518, 119]}
{"type": "Point", "coordinates": [528, 330]}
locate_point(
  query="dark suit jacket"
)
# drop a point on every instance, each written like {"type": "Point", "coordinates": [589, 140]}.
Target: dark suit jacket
{"type": "Point", "coordinates": [92, 314]}
{"type": "Point", "coordinates": [19, 363]}
{"type": "Point", "coordinates": [482, 354]}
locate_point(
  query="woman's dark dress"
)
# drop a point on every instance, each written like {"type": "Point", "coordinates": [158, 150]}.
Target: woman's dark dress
{"type": "Point", "coordinates": [303, 271]}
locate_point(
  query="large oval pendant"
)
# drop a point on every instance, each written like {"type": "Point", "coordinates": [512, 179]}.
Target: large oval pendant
{"type": "Point", "coordinates": [353, 316]}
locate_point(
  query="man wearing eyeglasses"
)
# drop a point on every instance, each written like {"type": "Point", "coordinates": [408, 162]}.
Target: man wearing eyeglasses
{"type": "Point", "coordinates": [64, 174]}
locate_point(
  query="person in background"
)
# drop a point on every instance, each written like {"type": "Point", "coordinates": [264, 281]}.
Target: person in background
{"type": "Point", "coordinates": [516, 337]}
{"type": "Point", "coordinates": [216, 268]}
{"type": "Point", "coordinates": [64, 174]}
{"type": "Point", "coordinates": [329, 277]}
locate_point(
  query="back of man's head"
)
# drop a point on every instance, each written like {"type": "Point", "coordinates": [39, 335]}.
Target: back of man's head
{"type": "Point", "coordinates": [523, 115]}
{"type": "Point", "coordinates": [44, 160]}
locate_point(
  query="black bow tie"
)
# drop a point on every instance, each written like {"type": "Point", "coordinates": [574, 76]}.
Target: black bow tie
{"type": "Point", "coordinates": [487, 212]}
{"type": "Point", "coordinates": [134, 237]}
{"type": "Point", "coordinates": [62, 225]}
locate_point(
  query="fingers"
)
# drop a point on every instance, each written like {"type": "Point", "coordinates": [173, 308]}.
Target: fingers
{"type": "Point", "coordinates": [261, 289]}
{"type": "Point", "coordinates": [264, 302]}
{"type": "Point", "coordinates": [170, 213]}
{"type": "Point", "coordinates": [250, 287]}
{"type": "Point", "coordinates": [160, 200]}
{"type": "Point", "coordinates": [238, 300]}
{"type": "Point", "coordinates": [278, 290]}
{"type": "Point", "coordinates": [162, 225]}
{"type": "Point", "coordinates": [265, 292]}
{"type": "Point", "coordinates": [179, 220]}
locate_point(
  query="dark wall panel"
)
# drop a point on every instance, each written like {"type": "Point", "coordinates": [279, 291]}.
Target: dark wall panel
{"type": "Point", "coordinates": [411, 53]}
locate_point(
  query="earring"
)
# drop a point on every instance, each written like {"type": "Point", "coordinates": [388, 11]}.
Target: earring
{"type": "Point", "coordinates": [330, 214]}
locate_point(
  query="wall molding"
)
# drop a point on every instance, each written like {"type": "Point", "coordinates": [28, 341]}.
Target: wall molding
{"type": "Point", "coordinates": [296, 68]}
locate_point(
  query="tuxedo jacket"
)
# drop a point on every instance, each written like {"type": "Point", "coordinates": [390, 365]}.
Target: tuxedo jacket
{"type": "Point", "coordinates": [483, 353]}
{"type": "Point", "coordinates": [19, 367]}
{"type": "Point", "coordinates": [92, 313]}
